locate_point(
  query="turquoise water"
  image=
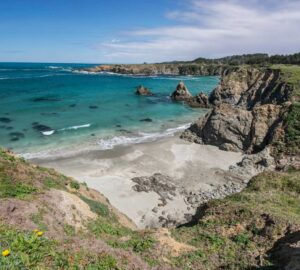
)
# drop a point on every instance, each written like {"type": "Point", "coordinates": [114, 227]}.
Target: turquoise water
{"type": "Point", "coordinates": [47, 106]}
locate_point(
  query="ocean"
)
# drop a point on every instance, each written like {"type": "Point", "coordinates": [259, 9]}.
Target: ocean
{"type": "Point", "coordinates": [48, 108]}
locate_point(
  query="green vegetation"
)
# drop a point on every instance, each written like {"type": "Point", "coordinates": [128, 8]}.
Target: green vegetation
{"type": "Point", "coordinates": [8, 188]}
{"type": "Point", "coordinates": [74, 185]}
{"type": "Point", "coordinates": [96, 207]}
{"type": "Point", "coordinates": [253, 59]}
{"type": "Point", "coordinates": [290, 145]}
{"type": "Point", "coordinates": [233, 233]}
{"type": "Point", "coordinates": [27, 250]}
{"type": "Point", "coordinates": [232, 230]}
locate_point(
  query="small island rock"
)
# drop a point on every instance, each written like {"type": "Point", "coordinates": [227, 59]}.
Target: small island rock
{"type": "Point", "coordinates": [143, 91]}
{"type": "Point", "coordinates": [181, 93]}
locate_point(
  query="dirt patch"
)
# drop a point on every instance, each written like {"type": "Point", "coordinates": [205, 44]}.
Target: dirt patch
{"type": "Point", "coordinates": [169, 246]}
{"type": "Point", "coordinates": [51, 211]}
{"type": "Point", "coordinates": [97, 196]}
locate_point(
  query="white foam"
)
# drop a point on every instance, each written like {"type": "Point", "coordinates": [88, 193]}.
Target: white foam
{"type": "Point", "coordinates": [75, 127]}
{"type": "Point", "coordinates": [48, 133]}
{"type": "Point", "coordinates": [110, 143]}
{"type": "Point", "coordinates": [54, 67]}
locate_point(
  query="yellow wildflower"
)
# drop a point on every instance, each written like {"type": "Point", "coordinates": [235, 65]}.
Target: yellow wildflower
{"type": "Point", "coordinates": [35, 230]}
{"type": "Point", "coordinates": [5, 252]}
{"type": "Point", "coordinates": [39, 233]}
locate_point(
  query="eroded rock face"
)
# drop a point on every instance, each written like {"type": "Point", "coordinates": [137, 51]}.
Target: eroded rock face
{"type": "Point", "coordinates": [252, 165]}
{"type": "Point", "coordinates": [249, 87]}
{"type": "Point", "coordinates": [225, 126]}
{"type": "Point", "coordinates": [248, 108]}
{"type": "Point", "coordinates": [236, 129]}
{"type": "Point", "coordinates": [143, 91]}
{"type": "Point", "coordinates": [181, 93]}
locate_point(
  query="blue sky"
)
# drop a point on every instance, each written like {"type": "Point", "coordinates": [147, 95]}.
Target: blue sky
{"type": "Point", "coordinates": [112, 31]}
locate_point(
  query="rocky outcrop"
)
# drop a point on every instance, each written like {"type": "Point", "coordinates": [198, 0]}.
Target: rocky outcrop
{"type": "Point", "coordinates": [286, 251]}
{"type": "Point", "coordinates": [236, 129]}
{"type": "Point", "coordinates": [252, 165]}
{"type": "Point", "coordinates": [248, 108]}
{"type": "Point", "coordinates": [199, 101]}
{"type": "Point", "coordinates": [162, 69]}
{"type": "Point", "coordinates": [181, 93]}
{"type": "Point", "coordinates": [143, 91]}
{"type": "Point", "coordinates": [250, 87]}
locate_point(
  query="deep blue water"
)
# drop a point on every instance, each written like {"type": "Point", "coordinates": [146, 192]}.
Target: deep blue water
{"type": "Point", "coordinates": [45, 106]}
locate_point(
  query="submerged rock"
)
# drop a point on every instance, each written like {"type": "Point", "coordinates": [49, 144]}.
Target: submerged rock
{"type": "Point", "coordinates": [41, 128]}
{"type": "Point", "coordinates": [5, 120]}
{"type": "Point", "coordinates": [146, 120]}
{"type": "Point", "coordinates": [143, 91]}
{"type": "Point", "coordinates": [46, 98]}
{"type": "Point", "coordinates": [93, 107]}
{"type": "Point", "coordinates": [15, 136]}
{"type": "Point", "coordinates": [181, 93]}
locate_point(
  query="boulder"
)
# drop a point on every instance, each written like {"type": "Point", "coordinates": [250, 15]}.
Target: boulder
{"type": "Point", "coordinates": [181, 93]}
{"type": "Point", "coordinates": [236, 129]}
{"type": "Point", "coordinates": [225, 126]}
{"type": "Point", "coordinates": [143, 91]}
{"type": "Point", "coordinates": [199, 101]}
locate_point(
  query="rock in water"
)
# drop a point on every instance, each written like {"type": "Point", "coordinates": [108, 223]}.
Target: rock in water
{"type": "Point", "coordinates": [143, 91]}
{"type": "Point", "coordinates": [199, 101]}
{"type": "Point", "coordinates": [181, 93]}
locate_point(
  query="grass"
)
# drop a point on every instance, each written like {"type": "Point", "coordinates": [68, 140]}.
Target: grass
{"type": "Point", "coordinates": [96, 207]}
{"type": "Point", "coordinates": [9, 188]}
{"type": "Point", "coordinates": [233, 229]}
{"type": "Point", "coordinates": [37, 218]}
{"type": "Point", "coordinates": [29, 251]}
{"type": "Point", "coordinates": [19, 179]}
{"type": "Point", "coordinates": [290, 74]}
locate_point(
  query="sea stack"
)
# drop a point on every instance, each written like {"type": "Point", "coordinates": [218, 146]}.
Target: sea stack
{"type": "Point", "coordinates": [181, 93]}
{"type": "Point", "coordinates": [143, 91]}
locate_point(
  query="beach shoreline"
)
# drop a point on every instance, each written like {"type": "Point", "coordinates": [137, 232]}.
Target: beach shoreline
{"type": "Point", "coordinates": [184, 167]}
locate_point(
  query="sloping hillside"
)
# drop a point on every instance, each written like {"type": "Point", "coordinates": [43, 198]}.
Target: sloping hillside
{"type": "Point", "coordinates": [49, 221]}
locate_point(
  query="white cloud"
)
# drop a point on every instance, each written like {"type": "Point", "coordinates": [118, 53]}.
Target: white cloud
{"type": "Point", "coordinates": [212, 29]}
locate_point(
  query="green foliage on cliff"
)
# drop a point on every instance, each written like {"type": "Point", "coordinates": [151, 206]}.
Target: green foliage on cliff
{"type": "Point", "coordinates": [253, 59]}
{"type": "Point", "coordinates": [237, 232]}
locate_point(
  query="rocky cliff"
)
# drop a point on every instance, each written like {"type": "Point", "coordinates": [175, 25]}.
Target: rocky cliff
{"type": "Point", "coordinates": [162, 69]}
{"type": "Point", "coordinates": [249, 112]}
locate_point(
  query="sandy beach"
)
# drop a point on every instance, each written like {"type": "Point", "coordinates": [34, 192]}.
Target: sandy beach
{"type": "Point", "coordinates": [190, 167]}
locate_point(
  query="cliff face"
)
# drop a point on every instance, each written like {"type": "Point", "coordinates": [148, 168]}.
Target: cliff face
{"type": "Point", "coordinates": [249, 106]}
{"type": "Point", "coordinates": [249, 87]}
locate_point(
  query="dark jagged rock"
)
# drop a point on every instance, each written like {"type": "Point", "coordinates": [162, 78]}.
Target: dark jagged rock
{"type": "Point", "coordinates": [248, 108]}
{"type": "Point", "coordinates": [199, 101]}
{"type": "Point", "coordinates": [143, 91]}
{"type": "Point", "coordinates": [159, 183]}
{"type": "Point", "coordinates": [249, 87]}
{"type": "Point", "coordinates": [181, 93]}
{"type": "Point", "coordinates": [236, 129]}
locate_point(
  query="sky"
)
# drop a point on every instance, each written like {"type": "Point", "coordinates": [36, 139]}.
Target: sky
{"type": "Point", "coordinates": [136, 31]}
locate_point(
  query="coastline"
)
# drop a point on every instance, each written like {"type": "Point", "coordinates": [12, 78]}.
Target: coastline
{"type": "Point", "coordinates": [187, 167]}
